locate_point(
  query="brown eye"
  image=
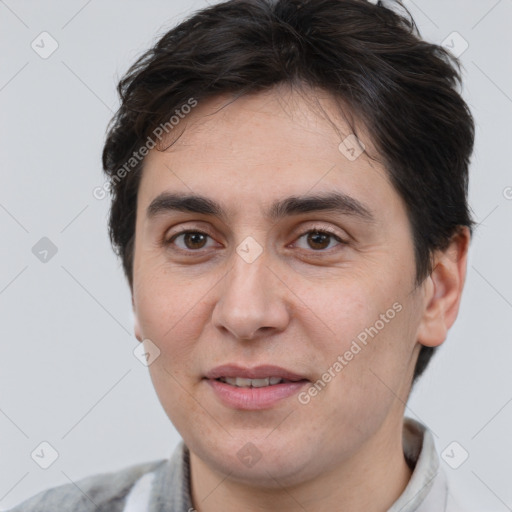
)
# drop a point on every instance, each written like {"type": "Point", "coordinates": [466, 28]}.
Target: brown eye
{"type": "Point", "coordinates": [191, 240]}
{"type": "Point", "coordinates": [320, 239]}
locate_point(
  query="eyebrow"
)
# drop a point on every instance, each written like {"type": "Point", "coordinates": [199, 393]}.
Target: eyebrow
{"type": "Point", "coordinates": [335, 202]}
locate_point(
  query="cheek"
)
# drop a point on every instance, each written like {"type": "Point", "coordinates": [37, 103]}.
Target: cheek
{"type": "Point", "coordinates": [351, 304]}
{"type": "Point", "coordinates": [167, 302]}
{"type": "Point", "coordinates": [372, 329]}
{"type": "Point", "coordinates": [170, 313]}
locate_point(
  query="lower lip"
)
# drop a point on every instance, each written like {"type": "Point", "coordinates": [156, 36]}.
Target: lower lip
{"type": "Point", "coordinates": [254, 398]}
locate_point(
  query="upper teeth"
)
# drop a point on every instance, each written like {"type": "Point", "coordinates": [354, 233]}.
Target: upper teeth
{"type": "Point", "coordinates": [255, 383]}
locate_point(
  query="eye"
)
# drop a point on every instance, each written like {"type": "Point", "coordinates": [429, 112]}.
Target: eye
{"type": "Point", "coordinates": [192, 240]}
{"type": "Point", "coordinates": [320, 239]}
{"type": "Point", "coordinates": [317, 239]}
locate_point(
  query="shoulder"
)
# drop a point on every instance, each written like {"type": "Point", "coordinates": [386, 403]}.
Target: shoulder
{"type": "Point", "coordinates": [96, 493]}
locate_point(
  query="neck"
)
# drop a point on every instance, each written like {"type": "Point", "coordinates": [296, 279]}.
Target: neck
{"type": "Point", "coordinates": [371, 480]}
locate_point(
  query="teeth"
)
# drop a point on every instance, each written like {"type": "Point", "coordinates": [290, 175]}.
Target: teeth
{"type": "Point", "coordinates": [254, 383]}
{"type": "Point", "coordinates": [259, 383]}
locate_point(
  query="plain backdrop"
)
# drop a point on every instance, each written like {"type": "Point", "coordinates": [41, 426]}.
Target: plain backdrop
{"type": "Point", "coordinates": [68, 375]}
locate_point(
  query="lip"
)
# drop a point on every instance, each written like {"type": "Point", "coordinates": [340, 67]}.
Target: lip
{"type": "Point", "coordinates": [257, 372]}
{"type": "Point", "coordinates": [254, 398]}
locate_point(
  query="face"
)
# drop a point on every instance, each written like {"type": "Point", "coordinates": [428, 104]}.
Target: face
{"type": "Point", "coordinates": [317, 295]}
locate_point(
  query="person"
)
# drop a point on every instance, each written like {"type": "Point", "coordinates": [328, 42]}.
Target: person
{"type": "Point", "coordinates": [289, 200]}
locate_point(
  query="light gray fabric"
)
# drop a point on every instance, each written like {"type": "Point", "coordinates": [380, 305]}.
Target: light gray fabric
{"type": "Point", "coordinates": [169, 491]}
{"type": "Point", "coordinates": [104, 492]}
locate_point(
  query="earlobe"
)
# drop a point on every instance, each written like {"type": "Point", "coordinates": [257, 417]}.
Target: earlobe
{"type": "Point", "coordinates": [136, 326]}
{"type": "Point", "coordinates": [443, 291]}
{"type": "Point", "coordinates": [136, 330]}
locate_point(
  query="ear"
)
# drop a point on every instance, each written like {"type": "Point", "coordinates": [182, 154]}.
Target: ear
{"type": "Point", "coordinates": [136, 326]}
{"type": "Point", "coordinates": [443, 290]}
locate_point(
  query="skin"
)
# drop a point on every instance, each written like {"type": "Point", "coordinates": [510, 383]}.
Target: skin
{"type": "Point", "coordinates": [296, 306]}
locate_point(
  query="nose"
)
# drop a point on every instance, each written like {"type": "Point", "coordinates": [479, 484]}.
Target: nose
{"type": "Point", "coordinates": [252, 300]}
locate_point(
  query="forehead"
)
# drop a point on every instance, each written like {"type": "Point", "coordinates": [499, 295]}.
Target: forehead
{"type": "Point", "coordinates": [262, 147]}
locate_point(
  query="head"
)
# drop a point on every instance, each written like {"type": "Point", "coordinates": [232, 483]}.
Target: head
{"type": "Point", "coordinates": [327, 150]}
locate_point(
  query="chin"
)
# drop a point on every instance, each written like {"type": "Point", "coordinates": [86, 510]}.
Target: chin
{"type": "Point", "coordinates": [261, 463]}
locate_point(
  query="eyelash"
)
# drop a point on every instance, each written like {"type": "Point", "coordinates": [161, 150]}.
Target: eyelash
{"type": "Point", "coordinates": [319, 230]}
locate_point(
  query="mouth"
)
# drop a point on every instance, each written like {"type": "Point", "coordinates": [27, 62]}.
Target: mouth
{"type": "Point", "coordinates": [256, 377]}
{"type": "Point", "coordinates": [241, 382]}
{"type": "Point", "coordinates": [256, 388]}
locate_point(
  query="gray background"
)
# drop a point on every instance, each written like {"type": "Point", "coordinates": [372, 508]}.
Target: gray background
{"type": "Point", "coordinates": [67, 373]}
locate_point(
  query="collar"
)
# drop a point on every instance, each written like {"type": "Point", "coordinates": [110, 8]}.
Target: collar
{"type": "Point", "coordinates": [427, 488]}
